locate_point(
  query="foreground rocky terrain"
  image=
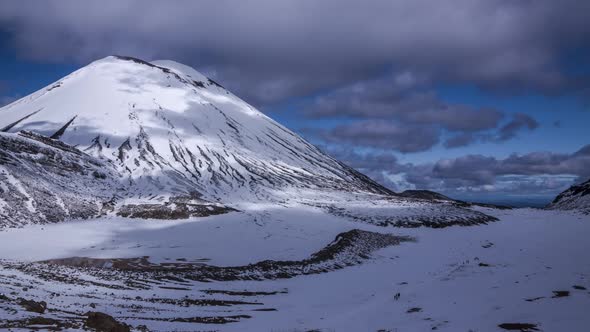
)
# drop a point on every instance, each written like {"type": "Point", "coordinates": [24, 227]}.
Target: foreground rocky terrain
{"type": "Point", "coordinates": [298, 269]}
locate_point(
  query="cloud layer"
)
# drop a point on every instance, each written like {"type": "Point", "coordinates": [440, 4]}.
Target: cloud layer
{"type": "Point", "coordinates": [534, 173]}
{"type": "Point", "coordinates": [406, 115]}
{"type": "Point", "coordinates": [271, 50]}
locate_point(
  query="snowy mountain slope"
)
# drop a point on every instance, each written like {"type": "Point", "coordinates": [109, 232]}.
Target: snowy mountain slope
{"type": "Point", "coordinates": [42, 180]}
{"type": "Point", "coordinates": [574, 198]}
{"type": "Point", "coordinates": [165, 121]}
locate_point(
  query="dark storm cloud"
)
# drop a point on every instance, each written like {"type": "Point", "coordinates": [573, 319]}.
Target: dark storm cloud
{"type": "Point", "coordinates": [376, 165]}
{"type": "Point", "coordinates": [406, 98]}
{"type": "Point", "coordinates": [520, 121]}
{"type": "Point", "coordinates": [475, 169]}
{"type": "Point", "coordinates": [271, 50]}
{"type": "Point", "coordinates": [478, 170]}
{"type": "Point", "coordinates": [510, 130]}
{"type": "Point", "coordinates": [407, 116]}
{"type": "Point", "coordinates": [482, 170]}
{"type": "Point", "coordinates": [382, 134]}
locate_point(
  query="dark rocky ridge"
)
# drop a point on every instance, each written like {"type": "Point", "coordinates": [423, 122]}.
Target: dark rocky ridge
{"type": "Point", "coordinates": [576, 197]}
{"type": "Point", "coordinates": [348, 249]}
{"type": "Point", "coordinates": [425, 194]}
{"type": "Point", "coordinates": [434, 196]}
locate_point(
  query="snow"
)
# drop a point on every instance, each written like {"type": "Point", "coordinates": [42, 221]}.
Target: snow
{"type": "Point", "coordinates": [225, 240]}
{"type": "Point", "coordinates": [528, 254]}
{"type": "Point", "coordinates": [18, 186]}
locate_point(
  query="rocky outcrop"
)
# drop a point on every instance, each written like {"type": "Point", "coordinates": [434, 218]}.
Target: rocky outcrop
{"type": "Point", "coordinates": [576, 198]}
{"type": "Point", "coordinates": [102, 322]}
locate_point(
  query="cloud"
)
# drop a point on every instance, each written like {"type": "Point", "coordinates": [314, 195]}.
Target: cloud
{"type": "Point", "coordinates": [272, 50]}
{"type": "Point", "coordinates": [459, 140]}
{"type": "Point", "coordinates": [382, 134]}
{"type": "Point", "coordinates": [480, 170]}
{"type": "Point", "coordinates": [508, 131]}
{"type": "Point", "coordinates": [402, 112]}
{"type": "Point", "coordinates": [519, 122]}
{"type": "Point", "coordinates": [404, 97]}
{"type": "Point", "coordinates": [533, 173]}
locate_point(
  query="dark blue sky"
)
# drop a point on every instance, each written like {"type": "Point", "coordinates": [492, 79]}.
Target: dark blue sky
{"type": "Point", "coordinates": [21, 77]}
{"type": "Point", "coordinates": [485, 100]}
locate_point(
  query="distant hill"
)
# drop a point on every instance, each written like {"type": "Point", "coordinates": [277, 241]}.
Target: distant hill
{"type": "Point", "coordinates": [425, 194]}
{"type": "Point", "coordinates": [432, 195]}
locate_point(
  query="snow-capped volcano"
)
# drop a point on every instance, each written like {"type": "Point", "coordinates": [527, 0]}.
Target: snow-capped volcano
{"type": "Point", "coordinates": [170, 129]}
{"type": "Point", "coordinates": [160, 140]}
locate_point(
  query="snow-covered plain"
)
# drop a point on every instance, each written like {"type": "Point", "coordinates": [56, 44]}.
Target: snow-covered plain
{"type": "Point", "coordinates": [230, 239]}
{"type": "Point", "coordinates": [459, 278]}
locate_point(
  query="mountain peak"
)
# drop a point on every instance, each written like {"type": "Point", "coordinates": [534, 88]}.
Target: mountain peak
{"type": "Point", "coordinates": [168, 128]}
